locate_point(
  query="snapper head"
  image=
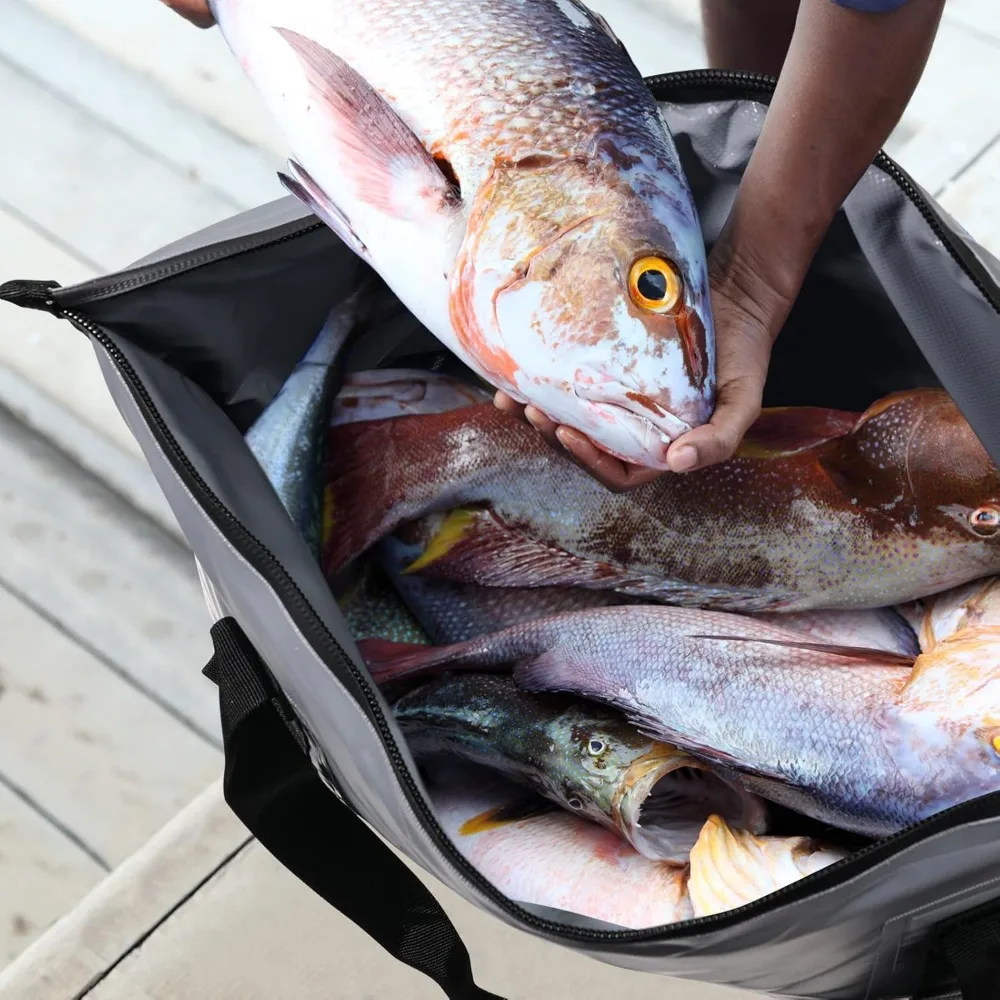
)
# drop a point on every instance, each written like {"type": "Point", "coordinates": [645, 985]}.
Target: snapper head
{"type": "Point", "coordinates": [582, 286]}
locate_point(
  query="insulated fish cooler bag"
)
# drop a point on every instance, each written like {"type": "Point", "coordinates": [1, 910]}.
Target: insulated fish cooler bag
{"type": "Point", "coordinates": [195, 341]}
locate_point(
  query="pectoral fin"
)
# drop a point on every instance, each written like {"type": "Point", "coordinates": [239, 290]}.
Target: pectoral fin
{"type": "Point", "coordinates": [388, 165]}
{"type": "Point", "coordinates": [861, 654]}
{"type": "Point", "coordinates": [302, 186]}
{"type": "Point", "coordinates": [788, 430]}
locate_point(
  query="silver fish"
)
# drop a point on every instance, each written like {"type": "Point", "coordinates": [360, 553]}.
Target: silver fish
{"type": "Point", "coordinates": [505, 169]}
{"type": "Point", "coordinates": [585, 757]}
{"type": "Point", "coordinates": [288, 438]}
{"type": "Point", "coordinates": [859, 739]}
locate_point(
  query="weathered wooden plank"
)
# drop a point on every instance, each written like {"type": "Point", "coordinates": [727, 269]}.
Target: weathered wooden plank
{"type": "Point", "coordinates": [657, 40]}
{"type": "Point", "coordinates": [105, 575]}
{"type": "Point", "coordinates": [94, 753]}
{"type": "Point", "coordinates": [135, 105]}
{"type": "Point", "coordinates": [134, 898]}
{"type": "Point", "coordinates": [50, 379]}
{"type": "Point", "coordinates": [952, 116]}
{"type": "Point", "coordinates": [42, 874]}
{"type": "Point", "coordinates": [974, 199]}
{"type": "Point", "coordinates": [981, 16]}
{"type": "Point", "coordinates": [194, 66]}
{"type": "Point", "coordinates": [254, 932]}
{"type": "Point", "coordinates": [46, 350]}
{"type": "Point", "coordinates": [70, 175]}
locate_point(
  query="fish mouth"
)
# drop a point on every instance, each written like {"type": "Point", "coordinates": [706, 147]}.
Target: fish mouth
{"type": "Point", "coordinates": [665, 798]}
{"type": "Point", "coordinates": [651, 425]}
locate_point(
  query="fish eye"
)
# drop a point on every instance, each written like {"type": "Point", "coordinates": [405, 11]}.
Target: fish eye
{"type": "Point", "coordinates": [654, 284]}
{"type": "Point", "coordinates": [995, 743]}
{"type": "Point", "coordinates": [596, 747]}
{"type": "Point", "coordinates": [575, 802]}
{"type": "Point", "coordinates": [985, 521]}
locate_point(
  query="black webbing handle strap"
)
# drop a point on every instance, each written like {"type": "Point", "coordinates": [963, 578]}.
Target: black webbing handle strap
{"type": "Point", "coordinates": [970, 944]}
{"type": "Point", "coordinates": [273, 787]}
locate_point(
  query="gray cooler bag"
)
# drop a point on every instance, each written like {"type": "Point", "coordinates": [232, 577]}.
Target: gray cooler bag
{"type": "Point", "coordinates": [195, 341]}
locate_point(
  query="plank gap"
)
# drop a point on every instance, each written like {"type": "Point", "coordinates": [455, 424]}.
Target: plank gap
{"type": "Point", "coordinates": [53, 821]}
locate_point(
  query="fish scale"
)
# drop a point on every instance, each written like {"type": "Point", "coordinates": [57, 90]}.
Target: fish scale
{"type": "Point", "coordinates": [554, 186]}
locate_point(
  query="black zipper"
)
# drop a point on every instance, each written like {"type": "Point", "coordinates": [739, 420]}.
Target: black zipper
{"type": "Point", "coordinates": [332, 652]}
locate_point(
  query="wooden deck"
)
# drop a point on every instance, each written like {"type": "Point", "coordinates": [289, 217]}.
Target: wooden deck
{"type": "Point", "coordinates": [124, 129]}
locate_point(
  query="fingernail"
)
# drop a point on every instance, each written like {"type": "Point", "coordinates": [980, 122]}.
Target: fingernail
{"type": "Point", "coordinates": [683, 459]}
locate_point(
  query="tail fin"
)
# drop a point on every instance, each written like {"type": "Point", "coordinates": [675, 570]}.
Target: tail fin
{"type": "Point", "coordinates": [389, 662]}
{"type": "Point", "coordinates": [362, 498]}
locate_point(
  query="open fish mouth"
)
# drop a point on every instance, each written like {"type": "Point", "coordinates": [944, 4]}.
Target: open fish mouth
{"type": "Point", "coordinates": [666, 798]}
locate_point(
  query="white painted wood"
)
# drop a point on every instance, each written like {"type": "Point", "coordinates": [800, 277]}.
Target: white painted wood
{"type": "Point", "coordinates": [92, 752]}
{"type": "Point", "coordinates": [125, 474]}
{"type": "Point", "coordinates": [136, 896]}
{"type": "Point", "coordinates": [980, 16]}
{"type": "Point", "coordinates": [45, 350]}
{"type": "Point", "coordinates": [193, 66]}
{"type": "Point", "coordinates": [953, 114]}
{"type": "Point", "coordinates": [254, 932]}
{"type": "Point", "coordinates": [131, 102]}
{"type": "Point", "coordinates": [105, 575]}
{"type": "Point", "coordinates": [49, 376]}
{"type": "Point", "coordinates": [101, 195]}
{"type": "Point", "coordinates": [974, 199]}
{"type": "Point", "coordinates": [42, 875]}
{"type": "Point", "coordinates": [658, 40]}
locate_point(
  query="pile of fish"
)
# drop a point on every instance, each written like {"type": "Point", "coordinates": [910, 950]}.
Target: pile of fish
{"type": "Point", "coordinates": [625, 709]}
{"type": "Point", "coordinates": [675, 700]}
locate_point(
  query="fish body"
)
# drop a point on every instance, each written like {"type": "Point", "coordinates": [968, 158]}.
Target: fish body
{"type": "Point", "coordinates": [584, 757]}
{"type": "Point", "coordinates": [730, 868]}
{"type": "Point", "coordinates": [819, 510]}
{"type": "Point", "coordinates": [452, 612]}
{"type": "Point", "coordinates": [558, 860]}
{"type": "Point", "coordinates": [288, 438]}
{"type": "Point", "coordinates": [504, 168]}
{"type": "Point", "coordinates": [855, 738]}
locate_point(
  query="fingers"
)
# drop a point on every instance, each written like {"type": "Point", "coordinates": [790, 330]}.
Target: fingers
{"type": "Point", "coordinates": [611, 472]}
{"type": "Point", "coordinates": [737, 407]}
{"type": "Point", "coordinates": [196, 11]}
{"type": "Point", "coordinates": [504, 402]}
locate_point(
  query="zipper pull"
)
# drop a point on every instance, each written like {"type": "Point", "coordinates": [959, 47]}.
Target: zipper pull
{"type": "Point", "coordinates": [31, 295]}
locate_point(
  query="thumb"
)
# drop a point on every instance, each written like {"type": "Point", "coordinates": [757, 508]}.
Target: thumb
{"type": "Point", "coordinates": [737, 406]}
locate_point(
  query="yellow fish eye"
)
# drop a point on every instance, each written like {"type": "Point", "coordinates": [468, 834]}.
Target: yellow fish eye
{"type": "Point", "coordinates": [654, 284]}
{"type": "Point", "coordinates": [996, 744]}
{"type": "Point", "coordinates": [985, 520]}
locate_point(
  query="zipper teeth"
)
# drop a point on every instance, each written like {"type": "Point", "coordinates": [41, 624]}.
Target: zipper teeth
{"type": "Point", "coordinates": [800, 888]}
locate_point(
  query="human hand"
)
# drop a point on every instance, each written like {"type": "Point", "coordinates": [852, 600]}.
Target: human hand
{"type": "Point", "coordinates": [196, 11]}
{"type": "Point", "coordinates": [612, 472]}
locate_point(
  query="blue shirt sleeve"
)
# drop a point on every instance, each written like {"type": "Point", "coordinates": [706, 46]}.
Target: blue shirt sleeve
{"type": "Point", "coordinates": [871, 6]}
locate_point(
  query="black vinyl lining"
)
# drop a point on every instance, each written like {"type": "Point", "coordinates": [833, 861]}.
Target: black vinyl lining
{"type": "Point", "coordinates": [731, 86]}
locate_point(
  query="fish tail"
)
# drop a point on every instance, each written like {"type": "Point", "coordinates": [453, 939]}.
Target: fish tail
{"type": "Point", "coordinates": [363, 497]}
{"type": "Point", "coordinates": [389, 662]}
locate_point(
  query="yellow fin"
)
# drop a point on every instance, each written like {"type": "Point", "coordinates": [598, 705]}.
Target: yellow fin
{"type": "Point", "coordinates": [499, 816]}
{"type": "Point", "coordinates": [453, 529]}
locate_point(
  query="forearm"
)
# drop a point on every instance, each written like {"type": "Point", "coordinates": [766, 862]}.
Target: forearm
{"type": "Point", "coordinates": [844, 86]}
